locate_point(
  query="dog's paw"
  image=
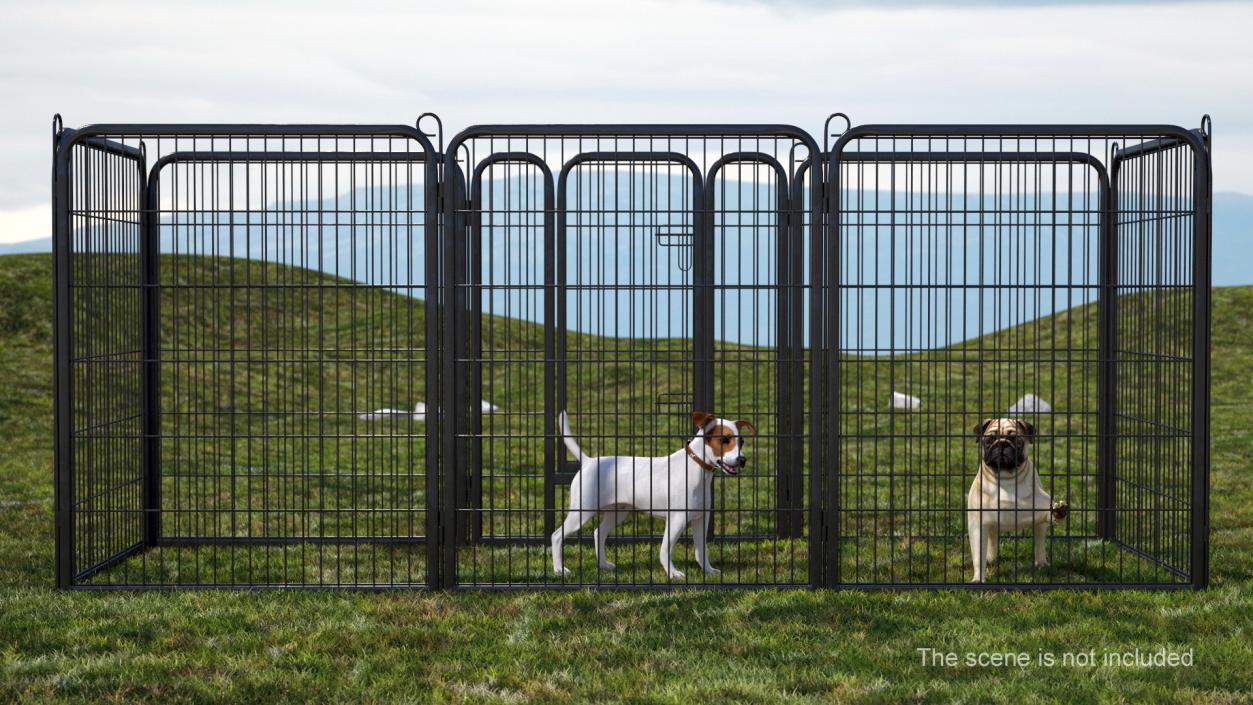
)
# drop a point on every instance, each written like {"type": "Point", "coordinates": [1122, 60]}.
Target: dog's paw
{"type": "Point", "coordinates": [976, 580]}
{"type": "Point", "coordinates": [1044, 563]}
{"type": "Point", "coordinates": [710, 570]}
{"type": "Point", "coordinates": [608, 566]}
{"type": "Point", "coordinates": [1060, 511]}
{"type": "Point", "coordinates": [676, 574]}
{"type": "Point", "coordinates": [562, 571]}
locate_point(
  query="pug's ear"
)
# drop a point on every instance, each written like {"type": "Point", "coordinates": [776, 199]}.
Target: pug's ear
{"type": "Point", "coordinates": [981, 427]}
{"type": "Point", "coordinates": [1027, 430]}
{"type": "Point", "coordinates": [701, 419]}
{"type": "Point", "coordinates": [743, 425]}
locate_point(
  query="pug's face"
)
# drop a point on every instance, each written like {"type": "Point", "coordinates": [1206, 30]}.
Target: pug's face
{"type": "Point", "coordinates": [1003, 443]}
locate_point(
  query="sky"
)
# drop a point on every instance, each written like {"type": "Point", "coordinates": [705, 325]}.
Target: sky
{"type": "Point", "coordinates": [472, 61]}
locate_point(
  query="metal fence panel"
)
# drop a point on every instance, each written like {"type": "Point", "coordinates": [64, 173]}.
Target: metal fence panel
{"type": "Point", "coordinates": [628, 275]}
{"type": "Point", "coordinates": [241, 301]}
{"type": "Point", "coordinates": [986, 272]}
{"type": "Point", "coordinates": [333, 356]}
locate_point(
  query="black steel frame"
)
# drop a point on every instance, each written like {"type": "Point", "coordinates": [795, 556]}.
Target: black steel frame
{"type": "Point", "coordinates": [1139, 171]}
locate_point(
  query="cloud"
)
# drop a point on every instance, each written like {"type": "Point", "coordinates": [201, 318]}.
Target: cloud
{"type": "Point", "coordinates": [29, 223]}
{"type": "Point", "coordinates": [964, 3]}
{"type": "Point", "coordinates": [649, 61]}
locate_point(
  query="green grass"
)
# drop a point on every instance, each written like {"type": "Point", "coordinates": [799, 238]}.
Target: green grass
{"type": "Point", "coordinates": [262, 381]}
{"type": "Point", "coordinates": [680, 646]}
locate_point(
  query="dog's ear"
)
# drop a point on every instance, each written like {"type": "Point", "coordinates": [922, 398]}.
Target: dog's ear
{"type": "Point", "coordinates": [1027, 430]}
{"type": "Point", "coordinates": [981, 427]}
{"type": "Point", "coordinates": [701, 419]}
{"type": "Point", "coordinates": [744, 424]}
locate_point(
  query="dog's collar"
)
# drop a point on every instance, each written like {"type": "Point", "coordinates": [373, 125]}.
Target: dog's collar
{"type": "Point", "coordinates": [699, 460]}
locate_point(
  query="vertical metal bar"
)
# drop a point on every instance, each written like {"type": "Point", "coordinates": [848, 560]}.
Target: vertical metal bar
{"type": "Point", "coordinates": [450, 406]}
{"type": "Point", "coordinates": [555, 352]}
{"type": "Point", "coordinates": [702, 304]}
{"type": "Point", "coordinates": [1107, 352]}
{"type": "Point", "coordinates": [1201, 292]}
{"type": "Point", "coordinates": [814, 544]}
{"type": "Point", "coordinates": [796, 381]}
{"type": "Point", "coordinates": [703, 277]}
{"type": "Point", "coordinates": [150, 253]}
{"type": "Point", "coordinates": [817, 359]}
{"type": "Point", "coordinates": [828, 316]}
{"type": "Point", "coordinates": [554, 389]}
{"type": "Point", "coordinates": [432, 191]}
{"type": "Point", "coordinates": [474, 407]}
{"type": "Point", "coordinates": [784, 344]}
{"type": "Point", "coordinates": [61, 344]}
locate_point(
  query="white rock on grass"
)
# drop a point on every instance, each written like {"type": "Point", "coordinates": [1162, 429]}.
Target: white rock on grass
{"type": "Point", "coordinates": [906, 402]}
{"type": "Point", "coordinates": [1030, 404]}
{"type": "Point", "coordinates": [418, 413]}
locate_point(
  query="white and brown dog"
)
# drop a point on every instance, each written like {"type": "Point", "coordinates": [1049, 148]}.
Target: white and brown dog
{"type": "Point", "coordinates": [676, 487]}
{"type": "Point", "coordinates": [1007, 493]}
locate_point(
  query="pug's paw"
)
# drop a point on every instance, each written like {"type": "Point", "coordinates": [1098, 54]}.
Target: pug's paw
{"type": "Point", "coordinates": [1060, 511]}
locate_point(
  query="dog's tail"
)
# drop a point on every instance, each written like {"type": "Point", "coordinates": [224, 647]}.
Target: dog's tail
{"type": "Point", "coordinates": [567, 437]}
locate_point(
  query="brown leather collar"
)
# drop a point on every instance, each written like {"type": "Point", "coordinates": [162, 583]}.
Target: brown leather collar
{"type": "Point", "coordinates": [699, 461]}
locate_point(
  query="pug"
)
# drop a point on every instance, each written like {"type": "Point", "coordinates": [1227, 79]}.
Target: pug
{"type": "Point", "coordinates": [1006, 494]}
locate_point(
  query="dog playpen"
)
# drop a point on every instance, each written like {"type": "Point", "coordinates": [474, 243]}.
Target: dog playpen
{"type": "Point", "coordinates": [334, 356]}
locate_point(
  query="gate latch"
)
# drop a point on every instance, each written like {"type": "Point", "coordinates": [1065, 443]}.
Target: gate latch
{"type": "Point", "coordinates": [683, 241]}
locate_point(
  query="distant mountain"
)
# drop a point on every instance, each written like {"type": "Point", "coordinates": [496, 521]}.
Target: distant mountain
{"type": "Point", "coordinates": [1233, 238]}
{"type": "Point", "coordinates": [380, 251]}
{"type": "Point", "coordinates": [26, 246]}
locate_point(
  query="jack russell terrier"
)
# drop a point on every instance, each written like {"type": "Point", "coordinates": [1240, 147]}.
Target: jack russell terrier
{"type": "Point", "coordinates": [676, 487]}
{"type": "Point", "coordinates": [1007, 493]}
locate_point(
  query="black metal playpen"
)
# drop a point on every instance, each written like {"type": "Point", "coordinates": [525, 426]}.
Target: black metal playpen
{"type": "Point", "coordinates": [336, 356]}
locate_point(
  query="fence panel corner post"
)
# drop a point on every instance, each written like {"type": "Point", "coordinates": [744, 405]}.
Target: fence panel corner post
{"type": "Point", "coordinates": [452, 348]}
{"type": "Point", "coordinates": [435, 171]}
{"type": "Point", "coordinates": [1202, 292]}
{"type": "Point", "coordinates": [150, 321]}
{"type": "Point", "coordinates": [63, 454]}
{"type": "Point", "coordinates": [1107, 353]}
{"type": "Point", "coordinates": [828, 263]}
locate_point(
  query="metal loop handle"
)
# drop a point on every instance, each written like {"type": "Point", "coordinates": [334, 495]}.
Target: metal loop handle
{"type": "Point", "coordinates": [827, 134]}
{"type": "Point", "coordinates": [791, 157]}
{"type": "Point", "coordinates": [439, 128]}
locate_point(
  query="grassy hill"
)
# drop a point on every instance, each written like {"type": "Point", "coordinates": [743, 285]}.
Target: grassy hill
{"type": "Point", "coordinates": [693, 646]}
